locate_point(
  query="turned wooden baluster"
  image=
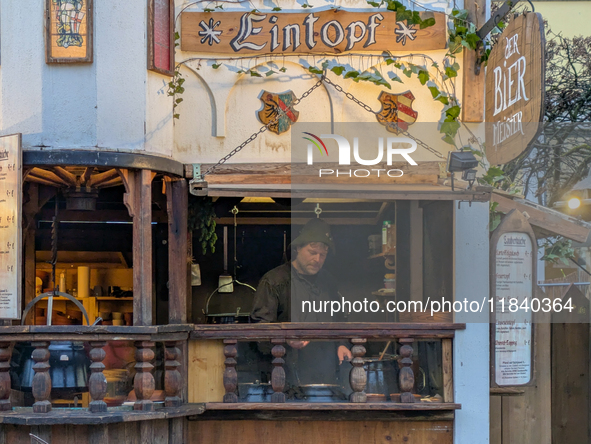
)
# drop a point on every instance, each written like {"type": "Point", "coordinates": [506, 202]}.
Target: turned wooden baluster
{"type": "Point", "coordinates": [5, 354]}
{"type": "Point", "coordinates": [172, 377]}
{"type": "Point", "coordinates": [97, 384]}
{"type": "Point", "coordinates": [230, 375]}
{"type": "Point", "coordinates": [358, 376]}
{"type": "Point", "coordinates": [406, 375]}
{"type": "Point", "coordinates": [278, 374]}
{"type": "Point", "coordinates": [41, 381]}
{"type": "Point", "coordinates": [143, 382]}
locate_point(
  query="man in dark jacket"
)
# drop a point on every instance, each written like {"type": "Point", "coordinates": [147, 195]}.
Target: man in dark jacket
{"type": "Point", "coordinates": [279, 298]}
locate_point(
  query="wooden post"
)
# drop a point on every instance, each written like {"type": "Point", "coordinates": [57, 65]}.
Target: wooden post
{"type": "Point", "coordinates": [447, 368]}
{"type": "Point", "coordinates": [97, 384]}
{"type": "Point", "coordinates": [30, 209]}
{"type": "Point", "coordinates": [41, 381]}
{"type": "Point", "coordinates": [230, 375]}
{"type": "Point", "coordinates": [173, 380]}
{"type": "Point", "coordinates": [472, 83]}
{"type": "Point", "coordinates": [5, 354]}
{"type": "Point", "coordinates": [144, 380]}
{"type": "Point", "coordinates": [138, 201]}
{"type": "Point", "coordinates": [358, 376]}
{"type": "Point", "coordinates": [406, 376]}
{"type": "Point", "coordinates": [177, 203]}
{"type": "Point", "coordinates": [278, 374]}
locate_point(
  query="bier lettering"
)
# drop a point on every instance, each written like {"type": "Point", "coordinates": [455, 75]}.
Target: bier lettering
{"type": "Point", "coordinates": [509, 86]}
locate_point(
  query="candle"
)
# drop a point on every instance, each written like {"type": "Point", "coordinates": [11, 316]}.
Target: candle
{"type": "Point", "coordinates": [83, 282]}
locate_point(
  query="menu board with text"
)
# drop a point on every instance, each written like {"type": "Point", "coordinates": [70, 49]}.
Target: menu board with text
{"type": "Point", "coordinates": [513, 289]}
{"type": "Point", "coordinates": [11, 178]}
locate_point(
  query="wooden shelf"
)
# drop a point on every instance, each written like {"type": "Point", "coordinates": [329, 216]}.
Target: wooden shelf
{"type": "Point", "coordinates": [25, 415]}
{"type": "Point", "coordinates": [389, 406]}
{"type": "Point", "coordinates": [382, 255]}
{"type": "Point", "coordinates": [112, 298]}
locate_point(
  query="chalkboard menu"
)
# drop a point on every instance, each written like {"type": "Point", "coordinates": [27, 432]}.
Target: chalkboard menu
{"type": "Point", "coordinates": [11, 179]}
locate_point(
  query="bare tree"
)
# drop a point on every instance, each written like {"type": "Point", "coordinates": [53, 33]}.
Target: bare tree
{"type": "Point", "coordinates": [561, 156]}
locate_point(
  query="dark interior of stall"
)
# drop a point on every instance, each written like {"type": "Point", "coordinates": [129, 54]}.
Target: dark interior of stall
{"type": "Point", "coordinates": [88, 235]}
{"type": "Point", "coordinates": [372, 260]}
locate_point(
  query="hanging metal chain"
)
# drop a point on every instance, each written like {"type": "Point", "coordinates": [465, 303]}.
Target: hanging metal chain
{"type": "Point", "coordinates": [280, 113]}
{"type": "Point", "coordinates": [380, 118]}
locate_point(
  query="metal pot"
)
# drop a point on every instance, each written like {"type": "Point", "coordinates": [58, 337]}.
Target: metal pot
{"type": "Point", "coordinates": [382, 375]}
{"type": "Point", "coordinates": [321, 393]}
{"type": "Point", "coordinates": [254, 392]}
{"type": "Point", "coordinates": [69, 368]}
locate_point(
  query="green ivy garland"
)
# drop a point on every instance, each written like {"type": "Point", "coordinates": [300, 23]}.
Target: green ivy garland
{"type": "Point", "coordinates": [201, 219]}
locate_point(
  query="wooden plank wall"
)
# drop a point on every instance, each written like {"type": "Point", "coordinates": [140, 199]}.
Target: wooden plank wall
{"type": "Point", "coordinates": [142, 432]}
{"type": "Point", "coordinates": [325, 432]}
{"type": "Point", "coordinates": [206, 371]}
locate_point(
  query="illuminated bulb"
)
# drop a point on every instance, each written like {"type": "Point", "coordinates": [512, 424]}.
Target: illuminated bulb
{"type": "Point", "coordinates": [574, 203]}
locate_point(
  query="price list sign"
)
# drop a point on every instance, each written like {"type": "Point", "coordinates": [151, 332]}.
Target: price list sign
{"type": "Point", "coordinates": [513, 329]}
{"type": "Point", "coordinates": [10, 226]}
{"type": "Point", "coordinates": [512, 286]}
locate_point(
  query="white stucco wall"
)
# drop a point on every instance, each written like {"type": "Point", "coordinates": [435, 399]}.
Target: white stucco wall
{"type": "Point", "coordinates": [113, 103]}
{"type": "Point", "coordinates": [220, 106]}
{"type": "Point", "coordinates": [471, 346]}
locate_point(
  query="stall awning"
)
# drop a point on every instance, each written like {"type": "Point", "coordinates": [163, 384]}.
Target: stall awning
{"type": "Point", "coordinates": [421, 182]}
{"type": "Point", "coordinates": [545, 221]}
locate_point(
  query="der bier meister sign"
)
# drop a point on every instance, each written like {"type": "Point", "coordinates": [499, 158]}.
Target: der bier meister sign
{"type": "Point", "coordinates": [332, 31]}
{"type": "Point", "coordinates": [515, 89]}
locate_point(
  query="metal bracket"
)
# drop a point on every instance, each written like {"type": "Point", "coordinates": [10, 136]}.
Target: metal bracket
{"type": "Point", "coordinates": [197, 185]}
{"type": "Point", "coordinates": [496, 18]}
{"type": "Point", "coordinates": [197, 172]}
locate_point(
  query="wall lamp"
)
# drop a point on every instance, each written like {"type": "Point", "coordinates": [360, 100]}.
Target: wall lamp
{"type": "Point", "coordinates": [465, 162]}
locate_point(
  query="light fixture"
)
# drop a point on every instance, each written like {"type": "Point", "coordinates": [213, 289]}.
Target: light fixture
{"type": "Point", "coordinates": [574, 203]}
{"type": "Point", "coordinates": [469, 176]}
{"type": "Point", "coordinates": [462, 161]}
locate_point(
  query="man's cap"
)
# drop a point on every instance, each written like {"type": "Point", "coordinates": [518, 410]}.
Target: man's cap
{"type": "Point", "coordinates": [315, 230]}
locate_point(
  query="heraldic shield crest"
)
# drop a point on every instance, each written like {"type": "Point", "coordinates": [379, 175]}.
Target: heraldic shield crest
{"type": "Point", "coordinates": [272, 104]}
{"type": "Point", "coordinates": [396, 108]}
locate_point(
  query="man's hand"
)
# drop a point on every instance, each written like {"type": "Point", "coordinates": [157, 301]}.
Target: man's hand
{"type": "Point", "coordinates": [297, 344]}
{"type": "Point", "coordinates": [344, 353]}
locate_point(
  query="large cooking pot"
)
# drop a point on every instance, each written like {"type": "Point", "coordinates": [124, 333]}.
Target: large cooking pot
{"type": "Point", "coordinates": [69, 363]}
{"type": "Point", "coordinates": [69, 368]}
{"type": "Point", "coordinates": [382, 375]}
{"type": "Point", "coordinates": [317, 393]}
{"type": "Point", "coordinates": [254, 392]}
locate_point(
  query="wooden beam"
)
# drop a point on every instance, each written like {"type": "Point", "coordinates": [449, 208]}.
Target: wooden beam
{"type": "Point", "coordinates": [48, 175]}
{"type": "Point", "coordinates": [545, 218]}
{"type": "Point", "coordinates": [65, 175]}
{"type": "Point", "coordinates": [139, 201]}
{"type": "Point", "coordinates": [447, 369]}
{"type": "Point", "coordinates": [416, 251]}
{"type": "Point", "coordinates": [472, 83]}
{"type": "Point", "coordinates": [100, 178]}
{"type": "Point", "coordinates": [87, 174]}
{"type": "Point", "coordinates": [115, 182]}
{"type": "Point", "coordinates": [301, 169]}
{"type": "Point", "coordinates": [177, 200]}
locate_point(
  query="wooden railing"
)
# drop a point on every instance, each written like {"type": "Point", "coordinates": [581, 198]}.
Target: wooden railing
{"type": "Point", "coordinates": [144, 338]}
{"type": "Point", "coordinates": [174, 338]}
{"type": "Point", "coordinates": [357, 333]}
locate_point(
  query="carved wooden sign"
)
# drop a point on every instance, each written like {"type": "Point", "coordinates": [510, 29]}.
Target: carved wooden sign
{"type": "Point", "coordinates": [11, 179]}
{"type": "Point", "coordinates": [515, 89]}
{"type": "Point", "coordinates": [512, 257]}
{"type": "Point", "coordinates": [332, 31]}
